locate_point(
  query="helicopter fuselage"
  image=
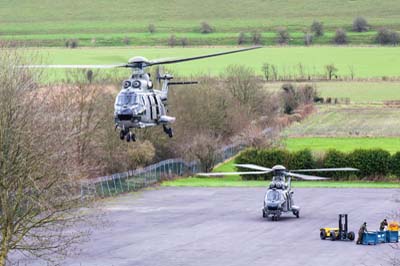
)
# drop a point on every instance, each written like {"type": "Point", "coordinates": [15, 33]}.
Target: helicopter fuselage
{"type": "Point", "coordinates": [138, 105]}
{"type": "Point", "coordinates": [279, 199]}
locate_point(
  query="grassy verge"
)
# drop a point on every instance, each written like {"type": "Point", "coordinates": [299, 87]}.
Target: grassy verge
{"type": "Point", "coordinates": [237, 182]}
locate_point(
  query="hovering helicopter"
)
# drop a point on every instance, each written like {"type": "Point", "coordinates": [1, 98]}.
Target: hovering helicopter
{"type": "Point", "coordinates": [279, 197]}
{"type": "Point", "coordinates": [138, 104]}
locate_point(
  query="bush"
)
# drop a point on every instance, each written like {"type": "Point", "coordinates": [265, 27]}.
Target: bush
{"type": "Point", "coordinates": [372, 163]}
{"type": "Point", "coordinates": [241, 38]}
{"type": "Point", "coordinates": [283, 36]}
{"type": "Point", "coordinates": [289, 98]}
{"type": "Point", "coordinates": [340, 37]}
{"type": "Point", "coordinates": [360, 24]}
{"type": "Point", "coordinates": [256, 38]}
{"type": "Point", "coordinates": [308, 39]}
{"type": "Point", "coordinates": [265, 157]}
{"type": "Point", "coordinates": [71, 43]}
{"type": "Point", "coordinates": [336, 159]}
{"type": "Point", "coordinates": [317, 28]}
{"type": "Point", "coordinates": [126, 40]}
{"type": "Point", "coordinates": [206, 28]}
{"type": "Point", "coordinates": [385, 36]}
{"type": "Point", "coordinates": [302, 159]}
{"type": "Point", "coordinates": [172, 40]}
{"type": "Point", "coordinates": [184, 42]}
{"type": "Point", "coordinates": [395, 164]}
{"type": "Point", "coordinates": [151, 28]}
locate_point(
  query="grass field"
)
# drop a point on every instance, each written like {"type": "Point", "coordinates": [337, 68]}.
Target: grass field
{"type": "Point", "coordinates": [110, 21]}
{"type": "Point", "coordinates": [349, 121]}
{"type": "Point", "coordinates": [367, 61]}
{"type": "Point", "coordinates": [343, 144]}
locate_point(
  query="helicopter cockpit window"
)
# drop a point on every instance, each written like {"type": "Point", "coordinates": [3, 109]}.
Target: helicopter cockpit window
{"type": "Point", "coordinates": [126, 99]}
{"type": "Point", "coordinates": [273, 195]}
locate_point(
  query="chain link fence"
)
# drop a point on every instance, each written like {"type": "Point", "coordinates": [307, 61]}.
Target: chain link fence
{"type": "Point", "coordinates": [115, 184]}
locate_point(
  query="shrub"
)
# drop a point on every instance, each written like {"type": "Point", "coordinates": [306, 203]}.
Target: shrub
{"type": "Point", "coordinates": [317, 28]}
{"type": "Point", "coordinates": [126, 40]}
{"type": "Point", "coordinates": [308, 39]}
{"type": "Point", "coordinates": [374, 162]}
{"type": "Point", "coordinates": [360, 24]}
{"type": "Point", "coordinates": [71, 43]}
{"type": "Point", "coordinates": [395, 164]}
{"type": "Point", "coordinates": [385, 36]}
{"type": "Point", "coordinates": [241, 38]}
{"type": "Point", "coordinates": [340, 37]}
{"type": "Point", "coordinates": [265, 157]}
{"type": "Point", "coordinates": [335, 159]}
{"type": "Point", "coordinates": [172, 40]}
{"type": "Point", "coordinates": [184, 42]}
{"type": "Point", "coordinates": [266, 70]}
{"type": "Point", "coordinates": [256, 38]}
{"type": "Point", "coordinates": [302, 159]}
{"type": "Point", "coordinates": [289, 98]}
{"type": "Point", "coordinates": [206, 28]}
{"type": "Point", "coordinates": [283, 36]}
{"type": "Point", "coordinates": [151, 28]}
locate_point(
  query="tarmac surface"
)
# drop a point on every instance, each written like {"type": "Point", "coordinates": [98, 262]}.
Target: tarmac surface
{"type": "Point", "coordinates": [224, 226]}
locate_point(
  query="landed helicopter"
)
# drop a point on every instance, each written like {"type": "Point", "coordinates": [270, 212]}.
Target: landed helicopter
{"type": "Point", "coordinates": [279, 197]}
{"type": "Point", "coordinates": [138, 105]}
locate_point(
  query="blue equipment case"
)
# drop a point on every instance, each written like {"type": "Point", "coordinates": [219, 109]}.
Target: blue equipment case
{"type": "Point", "coordinates": [370, 238]}
{"type": "Point", "coordinates": [382, 236]}
{"type": "Point", "coordinates": [392, 236]}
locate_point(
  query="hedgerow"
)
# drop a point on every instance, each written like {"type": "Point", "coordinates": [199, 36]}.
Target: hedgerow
{"type": "Point", "coordinates": [372, 163]}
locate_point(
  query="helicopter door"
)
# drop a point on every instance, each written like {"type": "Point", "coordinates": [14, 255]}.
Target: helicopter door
{"type": "Point", "coordinates": [147, 104]}
{"type": "Point", "coordinates": [153, 107]}
{"type": "Point", "coordinates": [160, 106]}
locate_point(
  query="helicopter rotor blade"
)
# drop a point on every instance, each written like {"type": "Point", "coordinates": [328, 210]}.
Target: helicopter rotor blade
{"type": "Point", "coordinates": [326, 169]}
{"type": "Point", "coordinates": [232, 173]}
{"type": "Point", "coordinates": [172, 61]}
{"type": "Point", "coordinates": [73, 66]}
{"type": "Point", "coordinates": [306, 177]}
{"type": "Point", "coordinates": [254, 167]}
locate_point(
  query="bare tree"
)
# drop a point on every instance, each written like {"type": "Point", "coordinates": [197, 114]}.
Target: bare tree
{"type": "Point", "coordinates": [331, 71]}
{"type": "Point", "coordinates": [38, 203]}
{"type": "Point", "coordinates": [266, 71]}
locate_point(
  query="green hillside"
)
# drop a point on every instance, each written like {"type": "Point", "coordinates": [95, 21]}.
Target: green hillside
{"type": "Point", "coordinates": [366, 61]}
{"type": "Point", "coordinates": [48, 22]}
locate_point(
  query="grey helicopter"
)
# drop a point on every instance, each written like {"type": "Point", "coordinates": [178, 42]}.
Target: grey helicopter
{"type": "Point", "coordinates": [138, 105]}
{"type": "Point", "coordinates": [279, 197]}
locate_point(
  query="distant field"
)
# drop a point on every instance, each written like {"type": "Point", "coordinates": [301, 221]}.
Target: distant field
{"type": "Point", "coordinates": [109, 21]}
{"type": "Point", "coordinates": [343, 144]}
{"type": "Point", "coordinates": [366, 61]}
{"type": "Point", "coordinates": [357, 92]}
{"type": "Point", "coordinates": [348, 120]}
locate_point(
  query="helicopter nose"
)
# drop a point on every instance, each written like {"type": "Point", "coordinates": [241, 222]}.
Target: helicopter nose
{"type": "Point", "coordinates": [125, 114]}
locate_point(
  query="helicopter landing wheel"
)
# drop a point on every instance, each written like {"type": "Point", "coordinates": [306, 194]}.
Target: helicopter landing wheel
{"type": "Point", "coordinates": [170, 133]}
{"type": "Point", "coordinates": [132, 136]}
{"type": "Point", "coordinates": [128, 137]}
{"type": "Point", "coordinates": [121, 135]}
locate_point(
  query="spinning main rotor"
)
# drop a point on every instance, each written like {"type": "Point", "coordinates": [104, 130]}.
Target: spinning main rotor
{"type": "Point", "coordinates": [140, 62]}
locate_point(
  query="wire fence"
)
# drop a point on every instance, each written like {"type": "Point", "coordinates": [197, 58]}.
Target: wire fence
{"type": "Point", "coordinates": [133, 180]}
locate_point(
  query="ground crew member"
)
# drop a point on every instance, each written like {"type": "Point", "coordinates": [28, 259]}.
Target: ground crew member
{"type": "Point", "coordinates": [383, 224]}
{"type": "Point", "coordinates": [363, 229]}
